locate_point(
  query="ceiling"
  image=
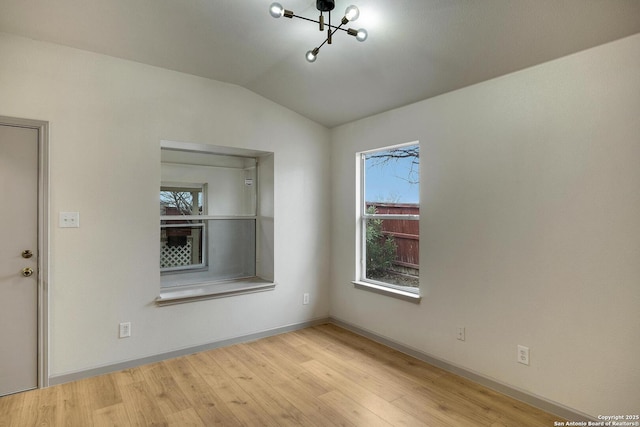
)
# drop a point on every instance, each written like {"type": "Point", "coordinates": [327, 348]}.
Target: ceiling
{"type": "Point", "coordinates": [416, 49]}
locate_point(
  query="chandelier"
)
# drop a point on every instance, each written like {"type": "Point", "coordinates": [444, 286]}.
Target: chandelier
{"type": "Point", "coordinates": [351, 14]}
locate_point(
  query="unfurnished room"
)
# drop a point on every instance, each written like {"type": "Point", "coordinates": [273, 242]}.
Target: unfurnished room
{"type": "Point", "coordinates": [320, 213]}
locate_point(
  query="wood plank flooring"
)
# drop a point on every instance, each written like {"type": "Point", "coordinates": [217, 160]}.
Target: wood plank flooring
{"type": "Point", "coordinates": [319, 376]}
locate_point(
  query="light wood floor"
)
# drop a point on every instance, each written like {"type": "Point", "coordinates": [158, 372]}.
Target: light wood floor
{"type": "Point", "coordinates": [320, 376]}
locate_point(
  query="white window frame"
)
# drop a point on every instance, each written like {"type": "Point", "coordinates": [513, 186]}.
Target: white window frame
{"type": "Point", "coordinates": [402, 292]}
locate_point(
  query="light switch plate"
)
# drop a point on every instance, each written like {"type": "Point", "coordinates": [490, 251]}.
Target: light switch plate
{"type": "Point", "coordinates": [69, 219]}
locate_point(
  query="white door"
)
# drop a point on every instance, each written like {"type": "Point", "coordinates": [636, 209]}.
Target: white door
{"type": "Point", "coordinates": [18, 259]}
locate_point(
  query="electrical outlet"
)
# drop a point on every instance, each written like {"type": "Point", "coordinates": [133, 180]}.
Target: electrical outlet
{"type": "Point", "coordinates": [305, 298]}
{"type": "Point", "coordinates": [523, 355]}
{"type": "Point", "coordinates": [460, 334]}
{"type": "Point", "coordinates": [125, 329]}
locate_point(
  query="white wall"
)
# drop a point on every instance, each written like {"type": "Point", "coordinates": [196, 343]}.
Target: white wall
{"type": "Point", "coordinates": [107, 117]}
{"type": "Point", "coordinates": [530, 233]}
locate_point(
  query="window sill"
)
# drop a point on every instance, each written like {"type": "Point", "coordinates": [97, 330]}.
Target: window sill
{"type": "Point", "coordinates": [204, 291]}
{"type": "Point", "coordinates": [391, 292]}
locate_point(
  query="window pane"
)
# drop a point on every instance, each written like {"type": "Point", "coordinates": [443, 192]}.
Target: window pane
{"type": "Point", "coordinates": [393, 175]}
{"type": "Point", "coordinates": [392, 251]}
{"type": "Point", "coordinates": [181, 246]}
{"type": "Point", "coordinates": [216, 249]}
{"type": "Point", "coordinates": [232, 248]}
{"type": "Point", "coordinates": [181, 201]}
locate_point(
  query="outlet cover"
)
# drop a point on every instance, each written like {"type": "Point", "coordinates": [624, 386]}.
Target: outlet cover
{"type": "Point", "coordinates": [523, 355]}
{"type": "Point", "coordinates": [461, 334]}
{"type": "Point", "coordinates": [125, 330]}
{"type": "Point", "coordinates": [305, 299]}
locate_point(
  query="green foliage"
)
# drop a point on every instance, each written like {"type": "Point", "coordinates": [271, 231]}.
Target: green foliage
{"type": "Point", "coordinates": [381, 249]}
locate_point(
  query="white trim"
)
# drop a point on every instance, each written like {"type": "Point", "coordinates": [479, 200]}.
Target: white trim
{"type": "Point", "coordinates": [390, 147]}
{"type": "Point", "coordinates": [402, 217]}
{"type": "Point", "coordinates": [203, 217]}
{"type": "Point", "coordinates": [43, 251]}
{"type": "Point", "coordinates": [211, 149]}
{"type": "Point", "coordinates": [180, 186]}
{"type": "Point", "coordinates": [211, 166]}
{"type": "Point", "coordinates": [361, 224]}
{"type": "Point", "coordinates": [43, 240]}
{"type": "Point", "coordinates": [181, 225]}
{"type": "Point", "coordinates": [387, 289]}
{"type": "Point", "coordinates": [209, 290]}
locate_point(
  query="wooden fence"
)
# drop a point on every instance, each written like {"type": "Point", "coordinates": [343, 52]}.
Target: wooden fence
{"type": "Point", "coordinates": [406, 234]}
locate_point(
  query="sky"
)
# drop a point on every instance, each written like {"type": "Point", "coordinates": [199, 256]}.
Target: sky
{"type": "Point", "coordinates": [389, 182]}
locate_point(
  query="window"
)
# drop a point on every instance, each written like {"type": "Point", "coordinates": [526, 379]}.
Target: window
{"type": "Point", "coordinates": [215, 237]}
{"type": "Point", "coordinates": [389, 218]}
{"type": "Point", "coordinates": [182, 240]}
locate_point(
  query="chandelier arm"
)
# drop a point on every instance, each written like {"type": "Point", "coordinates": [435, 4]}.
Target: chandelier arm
{"type": "Point", "coordinates": [323, 43]}
{"type": "Point", "coordinates": [318, 22]}
{"type": "Point", "coordinates": [334, 31]}
{"type": "Point", "coordinates": [338, 28]}
{"type": "Point", "coordinates": [306, 19]}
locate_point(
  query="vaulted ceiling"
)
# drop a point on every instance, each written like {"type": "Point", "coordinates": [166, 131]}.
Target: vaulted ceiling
{"type": "Point", "coordinates": [416, 48]}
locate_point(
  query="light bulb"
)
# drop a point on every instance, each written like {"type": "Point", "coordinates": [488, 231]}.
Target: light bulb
{"type": "Point", "coordinates": [276, 10]}
{"type": "Point", "coordinates": [352, 13]}
{"type": "Point", "coordinates": [312, 55]}
{"type": "Point", "coordinates": [362, 35]}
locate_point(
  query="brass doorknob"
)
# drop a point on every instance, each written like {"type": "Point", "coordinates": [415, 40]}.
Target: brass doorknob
{"type": "Point", "coordinates": [27, 272]}
{"type": "Point", "coordinates": [27, 254]}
